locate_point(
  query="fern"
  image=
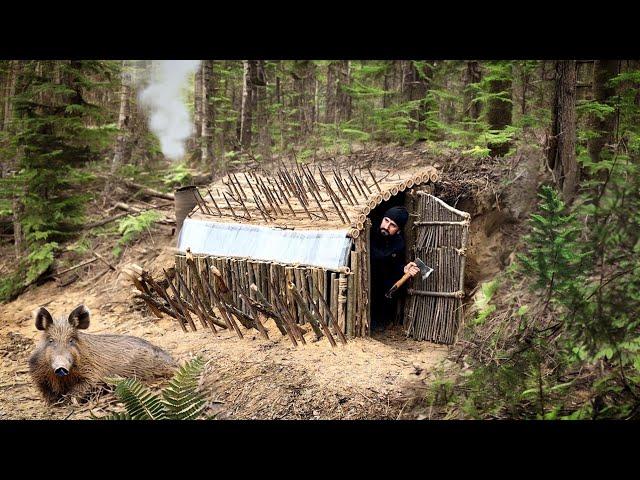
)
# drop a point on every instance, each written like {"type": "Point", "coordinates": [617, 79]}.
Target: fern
{"type": "Point", "coordinates": [140, 402]}
{"type": "Point", "coordinates": [40, 259]}
{"type": "Point", "coordinates": [131, 226]}
{"type": "Point", "coordinates": [180, 400]}
{"type": "Point", "coordinates": [482, 303]}
{"type": "Point", "coordinates": [178, 175]}
{"type": "Point", "coordinates": [181, 397]}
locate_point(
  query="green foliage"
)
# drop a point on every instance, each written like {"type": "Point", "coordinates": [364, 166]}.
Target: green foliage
{"type": "Point", "coordinates": [12, 284]}
{"type": "Point", "coordinates": [54, 132]}
{"type": "Point", "coordinates": [584, 261]}
{"type": "Point", "coordinates": [478, 152]}
{"type": "Point", "coordinates": [483, 299]}
{"type": "Point", "coordinates": [499, 137]}
{"type": "Point", "coordinates": [131, 226]}
{"type": "Point", "coordinates": [40, 260]}
{"type": "Point", "coordinates": [597, 109]}
{"type": "Point", "coordinates": [81, 246]}
{"type": "Point", "coordinates": [181, 399]}
{"type": "Point", "coordinates": [496, 71]}
{"type": "Point", "coordinates": [140, 403]}
{"type": "Point", "coordinates": [178, 175]}
{"type": "Point", "coordinates": [553, 258]}
{"type": "Point", "coordinates": [396, 122]}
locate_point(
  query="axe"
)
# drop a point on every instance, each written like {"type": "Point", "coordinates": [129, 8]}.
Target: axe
{"type": "Point", "coordinates": [424, 272]}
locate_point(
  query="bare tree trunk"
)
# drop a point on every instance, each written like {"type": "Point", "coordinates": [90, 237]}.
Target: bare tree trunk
{"type": "Point", "coordinates": [247, 103]}
{"type": "Point", "coordinates": [124, 118]}
{"type": "Point", "coordinates": [197, 101]}
{"type": "Point", "coordinates": [541, 83]}
{"type": "Point", "coordinates": [603, 71]}
{"type": "Point", "coordinates": [18, 210]}
{"type": "Point", "coordinates": [343, 99]}
{"type": "Point", "coordinates": [264, 139]}
{"type": "Point", "coordinates": [415, 87]}
{"type": "Point", "coordinates": [4, 78]}
{"type": "Point", "coordinates": [316, 109]}
{"type": "Point", "coordinates": [10, 90]}
{"type": "Point", "coordinates": [207, 114]}
{"type": "Point", "coordinates": [194, 141]}
{"type": "Point", "coordinates": [227, 124]}
{"type": "Point", "coordinates": [330, 110]}
{"type": "Point", "coordinates": [386, 85]}
{"type": "Point", "coordinates": [562, 147]}
{"type": "Point", "coordinates": [304, 85]}
{"type": "Point", "coordinates": [280, 102]}
{"type": "Point", "coordinates": [499, 111]}
{"type": "Point", "coordinates": [471, 76]}
{"type": "Point", "coordinates": [525, 77]}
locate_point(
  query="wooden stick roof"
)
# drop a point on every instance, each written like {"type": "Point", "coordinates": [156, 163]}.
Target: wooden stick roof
{"type": "Point", "coordinates": [311, 196]}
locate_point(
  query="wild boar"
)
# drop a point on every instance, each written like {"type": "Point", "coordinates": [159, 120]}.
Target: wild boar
{"type": "Point", "coordinates": [70, 363]}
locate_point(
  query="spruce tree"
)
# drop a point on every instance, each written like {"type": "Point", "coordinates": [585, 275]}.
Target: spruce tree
{"type": "Point", "coordinates": [53, 139]}
{"type": "Point", "coordinates": [553, 257]}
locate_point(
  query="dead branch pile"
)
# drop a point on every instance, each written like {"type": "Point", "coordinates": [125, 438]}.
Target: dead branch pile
{"type": "Point", "coordinates": [221, 302]}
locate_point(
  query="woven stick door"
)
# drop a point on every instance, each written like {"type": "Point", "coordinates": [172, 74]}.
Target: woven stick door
{"type": "Point", "coordinates": [434, 306]}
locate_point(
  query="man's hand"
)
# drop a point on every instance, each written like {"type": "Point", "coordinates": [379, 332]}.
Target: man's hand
{"type": "Point", "coordinates": [412, 269]}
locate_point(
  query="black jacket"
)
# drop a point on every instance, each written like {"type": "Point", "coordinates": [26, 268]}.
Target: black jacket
{"type": "Point", "coordinates": [387, 261]}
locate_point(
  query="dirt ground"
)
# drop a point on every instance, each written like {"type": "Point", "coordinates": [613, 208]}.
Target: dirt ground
{"type": "Point", "coordinates": [250, 378]}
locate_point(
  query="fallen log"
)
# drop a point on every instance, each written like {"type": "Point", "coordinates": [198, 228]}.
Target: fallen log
{"type": "Point", "coordinates": [129, 208]}
{"type": "Point", "coordinates": [147, 190]}
{"type": "Point", "coordinates": [104, 221]}
{"type": "Point", "coordinates": [102, 259]}
{"type": "Point", "coordinates": [56, 274]}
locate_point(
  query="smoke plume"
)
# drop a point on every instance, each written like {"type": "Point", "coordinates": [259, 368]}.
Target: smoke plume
{"type": "Point", "coordinates": [169, 118]}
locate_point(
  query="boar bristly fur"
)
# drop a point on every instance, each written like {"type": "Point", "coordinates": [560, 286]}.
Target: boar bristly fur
{"type": "Point", "coordinates": [68, 362]}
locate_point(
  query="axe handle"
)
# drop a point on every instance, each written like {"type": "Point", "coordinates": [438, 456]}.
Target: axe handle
{"type": "Point", "coordinates": [398, 284]}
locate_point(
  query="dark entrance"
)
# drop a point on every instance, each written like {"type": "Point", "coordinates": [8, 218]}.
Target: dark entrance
{"type": "Point", "coordinates": [384, 312]}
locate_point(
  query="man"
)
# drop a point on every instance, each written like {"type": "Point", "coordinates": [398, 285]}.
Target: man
{"type": "Point", "coordinates": [387, 265]}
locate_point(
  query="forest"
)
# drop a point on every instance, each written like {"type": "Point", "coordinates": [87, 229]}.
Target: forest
{"type": "Point", "coordinates": [553, 333]}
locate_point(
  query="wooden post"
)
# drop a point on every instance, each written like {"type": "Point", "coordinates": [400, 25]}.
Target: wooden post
{"type": "Point", "coordinates": [194, 301]}
{"type": "Point", "coordinates": [315, 324]}
{"type": "Point", "coordinates": [351, 291]}
{"type": "Point", "coordinates": [334, 319]}
{"type": "Point", "coordinates": [256, 317]}
{"type": "Point", "coordinates": [285, 313]}
{"type": "Point", "coordinates": [277, 319]}
{"type": "Point", "coordinates": [184, 310]}
{"type": "Point", "coordinates": [342, 302]}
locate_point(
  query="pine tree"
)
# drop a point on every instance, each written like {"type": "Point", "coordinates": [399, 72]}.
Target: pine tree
{"type": "Point", "coordinates": [53, 141]}
{"type": "Point", "coordinates": [553, 257]}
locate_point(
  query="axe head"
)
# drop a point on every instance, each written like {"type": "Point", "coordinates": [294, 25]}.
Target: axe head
{"type": "Point", "coordinates": [424, 270]}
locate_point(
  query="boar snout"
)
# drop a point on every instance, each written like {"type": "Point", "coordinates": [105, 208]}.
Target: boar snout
{"type": "Point", "coordinates": [62, 365]}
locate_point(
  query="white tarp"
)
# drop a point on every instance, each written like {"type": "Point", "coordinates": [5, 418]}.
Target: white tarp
{"type": "Point", "coordinates": [318, 248]}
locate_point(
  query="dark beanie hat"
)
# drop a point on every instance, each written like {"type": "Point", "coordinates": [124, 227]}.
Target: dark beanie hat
{"type": "Point", "coordinates": [398, 215]}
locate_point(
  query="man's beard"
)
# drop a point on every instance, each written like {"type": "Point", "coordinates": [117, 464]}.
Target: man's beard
{"type": "Point", "coordinates": [384, 232]}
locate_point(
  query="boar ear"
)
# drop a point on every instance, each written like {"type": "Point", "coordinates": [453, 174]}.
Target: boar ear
{"type": "Point", "coordinates": [79, 318]}
{"type": "Point", "coordinates": [43, 318]}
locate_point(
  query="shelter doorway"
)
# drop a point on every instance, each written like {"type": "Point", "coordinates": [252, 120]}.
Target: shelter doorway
{"type": "Point", "coordinates": [385, 313]}
{"type": "Point", "coordinates": [437, 233]}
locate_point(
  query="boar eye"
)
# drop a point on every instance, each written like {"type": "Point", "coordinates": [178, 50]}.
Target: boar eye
{"type": "Point", "coordinates": [51, 340]}
{"type": "Point", "coordinates": [71, 341]}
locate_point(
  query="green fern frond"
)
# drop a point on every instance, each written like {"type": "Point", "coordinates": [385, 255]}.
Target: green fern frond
{"type": "Point", "coordinates": [181, 397]}
{"type": "Point", "coordinates": [140, 402]}
{"type": "Point", "coordinates": [180, 400]}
